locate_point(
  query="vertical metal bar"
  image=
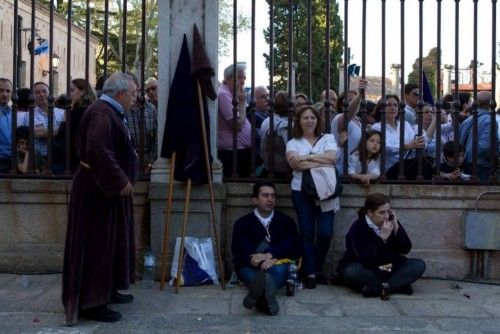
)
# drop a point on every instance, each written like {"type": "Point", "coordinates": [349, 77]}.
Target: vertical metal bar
{"type": "Point", "coordinates": [290, 65]}
{"type": "Point", "coordinates": [271, 85]}
{"type": "Point", "coordinates": [402, 103]}
{"type": "Point", "coordinates": [383, 101]}
{"type": "Point", "coordinates": [106, 37]}
{"type": "Point", "coordinates": [50, 98]}
{"type": "Point", "coordinates": [67, 108]}
{"type": "Point", "coordinates": [456, 103]}
{"type": "Point", "coordinates": [439, 104]}
{"type": "Point", "coordinates": [235, 93]}
{"type": "Point", "coordinates": [124, 37]}
{"type": "Point", "coordinates": [253, 131]}
{"type": "Point", "coordinates": [87, 41]}
{"type": "Point", "coordinates": [362, 111]}
{"type": "Point", "coordinates": [15, 74]}
{"type": "Point", "coordinates": [345, 102]}
{"type": "Point", "coordinates": [420, 103]}
{"type": "Point", "coordinates": [20, 47]}
{"type": "Point", "coordinates": [328, 107]}
{"type": "Point", "coordinates": [31, 168]}
{"type": "Point", "coordinates": [474, 133]}
{"type": "Point", "coordinates": [493, 103]}
{"type": "Point", "coordinates": [142, 99]}
{"type": "Point", "coordinates": [309, 52]}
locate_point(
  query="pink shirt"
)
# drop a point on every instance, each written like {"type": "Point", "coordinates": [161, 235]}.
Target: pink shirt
{"type": "Point", "coordinates": [225, 123]}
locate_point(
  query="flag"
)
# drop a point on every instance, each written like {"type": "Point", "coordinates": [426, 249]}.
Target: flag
{"type": "Point", "coordinates": [182, 132]}
{"type": "Point", "coordinates": [426, 90]}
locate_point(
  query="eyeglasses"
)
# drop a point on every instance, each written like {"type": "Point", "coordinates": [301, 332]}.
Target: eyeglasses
{"type": "Point", "coordinates": [152, 88]}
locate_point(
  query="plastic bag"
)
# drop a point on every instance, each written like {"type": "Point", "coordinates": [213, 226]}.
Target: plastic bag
{"type": "Point", "coordinates": [198, 263]}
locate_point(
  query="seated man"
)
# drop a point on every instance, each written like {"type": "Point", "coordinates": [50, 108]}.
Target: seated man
{"type": "Point", "coordinates": [260, 240]}
{"type": "Point", "coordinates": [375, 245]}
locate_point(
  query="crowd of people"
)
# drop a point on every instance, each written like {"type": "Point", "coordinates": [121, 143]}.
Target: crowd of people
{"type": "Point", "coordinates": [405, 135]}
{"type": "Point", "coordinates": [56, 138]}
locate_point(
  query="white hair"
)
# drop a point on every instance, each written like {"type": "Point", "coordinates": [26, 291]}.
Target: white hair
{"type": "Point", "coordinates": [116, 83]}
{"type": "Point", "coordinates": [228, 72]}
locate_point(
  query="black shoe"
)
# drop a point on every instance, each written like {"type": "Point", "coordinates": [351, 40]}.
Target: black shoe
{"type": "Point", "coordinates": [321, 279]}
{"type": "Point", "coordinates": [310, 282]}
{"type": "Point", "coordinates": [371, 291]}
{"type": "Point", "coordinates": [407, 290]}
{"type": "Point", "coordinates": [100, 313]}
{"type": "Point", "coordinates": [336, 279]}
{"type": "Point", "coordinates": [256, 290]}
{"type": "Point", "coordinates": [270, 295]}
{"type": "Point", "coordinates": [120, 298]}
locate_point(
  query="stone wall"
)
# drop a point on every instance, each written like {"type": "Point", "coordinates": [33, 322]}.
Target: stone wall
{"type": "Point", "coordinates": [33, 221]}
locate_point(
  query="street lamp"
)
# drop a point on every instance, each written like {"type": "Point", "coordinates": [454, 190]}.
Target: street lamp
{"type": "Point", "coordinates": [55, 64]}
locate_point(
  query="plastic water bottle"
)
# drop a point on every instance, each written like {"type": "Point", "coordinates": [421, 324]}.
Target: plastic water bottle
{"type": "Point", "coordinates": [292, 275]}
{"type": "Point", "coordinates": [148, 275]}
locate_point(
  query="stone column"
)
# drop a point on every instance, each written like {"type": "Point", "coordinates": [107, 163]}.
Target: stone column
{"type": "Point", "coordinates": [396, 78]}
{"type": "Point", "coordinates": [447, 79]}
{"type": "Point", "coordinates": [341, 79]}
{"type": "Point", "coordinates": [178, 18]}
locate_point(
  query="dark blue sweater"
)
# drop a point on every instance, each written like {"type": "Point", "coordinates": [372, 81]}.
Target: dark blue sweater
{"type": "Point", "coordinates": [363, 245]}
{"type": "Point", "coordinates": [248, 233]}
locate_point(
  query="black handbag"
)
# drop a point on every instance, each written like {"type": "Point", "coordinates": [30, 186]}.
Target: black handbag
{"type": "Point", "coordinates": [308, 188]}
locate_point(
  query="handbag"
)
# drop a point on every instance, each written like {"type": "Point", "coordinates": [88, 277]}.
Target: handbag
{"type": "Point", "coordinates": [308, 188]}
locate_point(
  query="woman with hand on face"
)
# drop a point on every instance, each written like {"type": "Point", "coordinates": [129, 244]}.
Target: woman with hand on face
{"type": "Point", "coordinates": [309, 149]}
{"type": "Point", "coordinates": [375, 245]}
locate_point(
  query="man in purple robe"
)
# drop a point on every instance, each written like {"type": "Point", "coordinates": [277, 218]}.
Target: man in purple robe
{"type": "Point", "coordinates": [99, 256]}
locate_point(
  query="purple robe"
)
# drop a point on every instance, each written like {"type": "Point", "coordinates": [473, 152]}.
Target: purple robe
{"type": "Point", "coordinates": [99, 254]}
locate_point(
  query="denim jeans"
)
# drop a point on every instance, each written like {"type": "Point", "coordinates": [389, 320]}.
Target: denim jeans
{"type": "Point", "coordinates": [357, 275]}
{"type": "Point", "coordinates": [278, 273]}
{"type": "Point", "coordinates": [313, 225]}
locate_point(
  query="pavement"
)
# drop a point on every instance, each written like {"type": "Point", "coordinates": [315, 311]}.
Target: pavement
{"type": "Point", "coordinates": [31, 304]}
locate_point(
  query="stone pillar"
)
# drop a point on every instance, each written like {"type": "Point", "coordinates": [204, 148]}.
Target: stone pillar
{"type": "Point", "coordinates": [177, 19]}
{"type": "Point", "coordinates": [341, 79]}
{"type": "Point", "coordinates": [396, 78]}
{"type": "Point", "coordinates": [447, 79]}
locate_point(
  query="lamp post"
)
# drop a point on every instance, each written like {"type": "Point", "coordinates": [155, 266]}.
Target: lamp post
{"type": "Point", "coordinates": [55, 64]}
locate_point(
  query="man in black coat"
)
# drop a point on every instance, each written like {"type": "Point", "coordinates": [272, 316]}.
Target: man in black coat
{"type": "Point", "coordinates": [263, 243]}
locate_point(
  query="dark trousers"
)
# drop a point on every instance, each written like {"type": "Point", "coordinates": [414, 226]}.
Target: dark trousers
{"type": "Point", "coordinates": [243, 162]}
{"type": "Point", "coordinates": [357, 275]}
{"type": "Point", "coordinates": [316, 230]}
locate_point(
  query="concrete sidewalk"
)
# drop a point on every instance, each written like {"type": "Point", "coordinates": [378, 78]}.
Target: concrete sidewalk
{"type": "Point", "coordinates": [436, 307]}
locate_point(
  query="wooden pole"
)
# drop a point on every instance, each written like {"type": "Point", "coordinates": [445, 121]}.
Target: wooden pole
{"type": "Point", "coordinates": [166, 226]}
{"type": "Point", "coordinates": [183, 236]}
{"type": "Point", "coordinates": [210, 187]}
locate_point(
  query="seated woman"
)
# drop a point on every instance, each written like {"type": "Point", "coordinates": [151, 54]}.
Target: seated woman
{"type": "Point", "coordinates": [375, 244]}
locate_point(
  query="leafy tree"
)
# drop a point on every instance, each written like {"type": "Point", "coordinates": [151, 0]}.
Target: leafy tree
{"type": "Point", "coordinates": [132, 48]}
{"type": "Point", "coordinates": [226, 25]}
{"type": "Point", "coordinates": [429, 65]}
{"type": "Point", "coordinates": [300, 50]}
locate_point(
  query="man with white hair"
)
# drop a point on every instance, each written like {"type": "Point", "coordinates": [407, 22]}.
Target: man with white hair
{"type": "Point", "coordinates": [151, 89]}
{"type": "Point", "coordinates": [99, 255]}
{"type": "Point", "coordinates": [225, 122]}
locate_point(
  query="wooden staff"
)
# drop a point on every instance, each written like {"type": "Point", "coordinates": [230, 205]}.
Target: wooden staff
{"type": "Point", "coordinates": [168, 216]}
{"type": "Point", "coordinates": [183, 236]}
{"type": "Point", "coordinates": [210, 187]}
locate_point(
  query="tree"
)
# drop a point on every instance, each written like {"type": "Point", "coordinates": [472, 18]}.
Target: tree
{"type": "Point", "coordinates": [300, 50]}
{"type": "Point", "coordinates": [132, 48]}
{"type": "Point", "coordinates": [226, 26]}
{"type": "Point", "coordinates": [429, 65]}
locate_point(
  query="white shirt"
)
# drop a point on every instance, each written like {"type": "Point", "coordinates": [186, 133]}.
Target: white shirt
{"type": "Point", "coordinates": [41, 118]}
{"type": "Point", "coordinates": [302, 147]}
{"type": "Point", "coordinates": [355, 165]}
{"type": "Point", "coordinates": [392, 141]}
{"type": "Point", "coordinates": [374, 227]}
